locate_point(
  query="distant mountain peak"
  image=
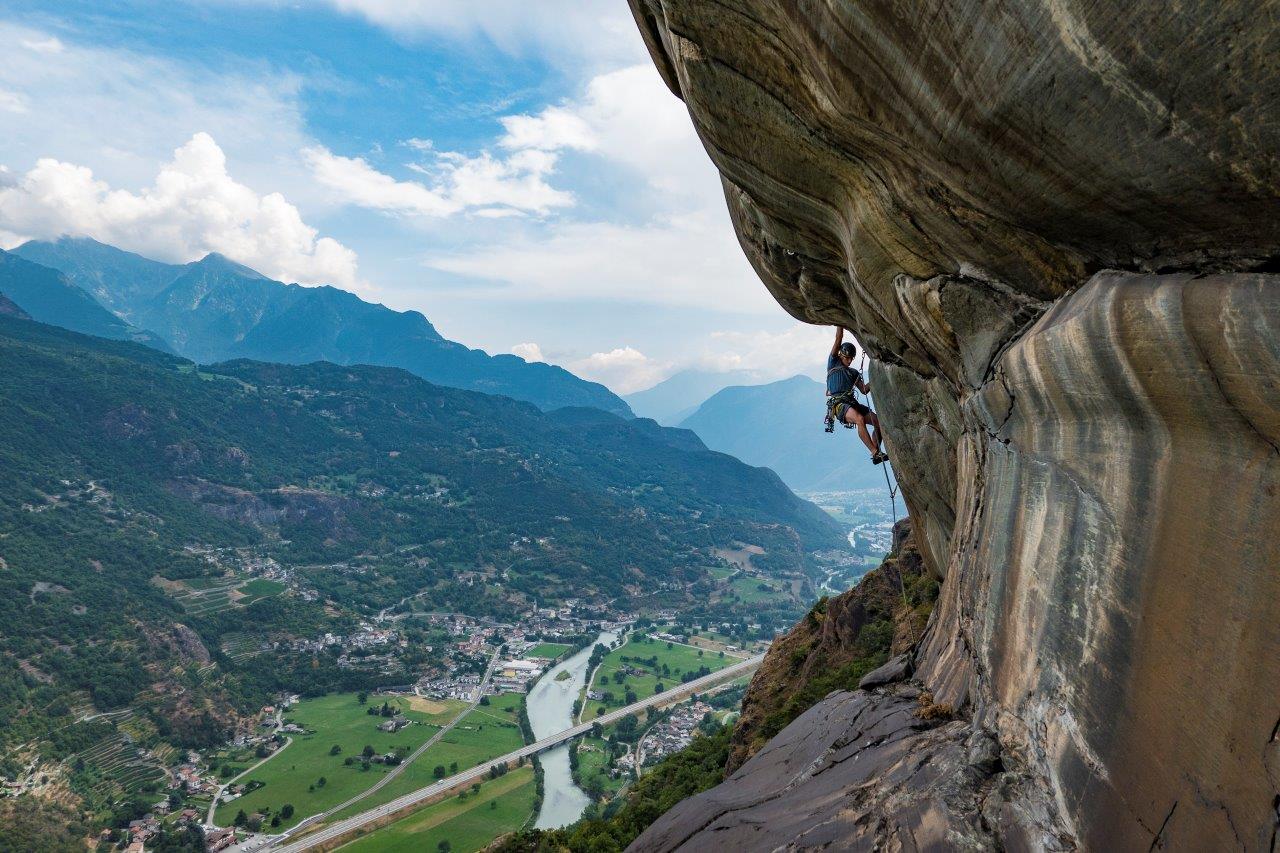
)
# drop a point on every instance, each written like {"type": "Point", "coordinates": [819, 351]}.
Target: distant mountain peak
{"type": "Point", "coordinates": [220, 262]}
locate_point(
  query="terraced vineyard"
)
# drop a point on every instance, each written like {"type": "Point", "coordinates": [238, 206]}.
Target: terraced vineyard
{"type": "Point", "coordinates": [203, 596]}
{"type": "Point", "coordinates": [206, 596]}
{"type": "Point", "coordinates": [119, 764]}
{"type": "Point", "coordinates": [240, 647]}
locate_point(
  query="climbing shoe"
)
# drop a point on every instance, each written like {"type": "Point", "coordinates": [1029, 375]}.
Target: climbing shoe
{"type": "Point", "coordinates": [879, 457]}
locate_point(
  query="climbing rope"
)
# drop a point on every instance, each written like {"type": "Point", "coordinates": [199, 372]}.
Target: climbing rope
{"type": "Point", "coordinates": [893, 489]}
{"type": "Point", "coordinates": [891, 484]}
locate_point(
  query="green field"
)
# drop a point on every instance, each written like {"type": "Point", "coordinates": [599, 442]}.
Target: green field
{"type": "Point", "coordinates": [747, 589]}
{"type": "Point", "coordinates": [721, 572]}
{"type": "Point", "coordinates": [484, 734]}
{"type": "Point", "coordinates": [502, 805]}
{"type": "Point", "coordinates": [553, 651]}
{"type": "Point", "coordinates": [678, 660]}
{"type": "Point", "coordinates": [258, 589]}
{"type": "Point", "coordinates": [292, 775]}
{"type": "Point", "coordinates": [593, 768]}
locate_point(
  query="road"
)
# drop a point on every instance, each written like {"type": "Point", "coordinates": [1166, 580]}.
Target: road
{"type": "Point", "coordinates": [280, 844]}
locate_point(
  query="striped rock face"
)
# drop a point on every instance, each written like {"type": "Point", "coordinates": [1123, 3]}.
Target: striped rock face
{"type": "Point", "coordinates": [1055, 226]}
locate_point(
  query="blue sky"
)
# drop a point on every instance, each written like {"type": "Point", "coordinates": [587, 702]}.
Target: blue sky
{"type": "Point", "coordinates": [515, 170]}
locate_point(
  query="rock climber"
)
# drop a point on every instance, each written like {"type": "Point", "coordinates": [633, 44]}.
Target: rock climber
{"type": "Point", "coordinates": [842, 379]}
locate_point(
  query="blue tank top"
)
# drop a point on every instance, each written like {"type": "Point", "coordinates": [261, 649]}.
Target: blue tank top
{"type": "Point", "coordinates": [840, 379]}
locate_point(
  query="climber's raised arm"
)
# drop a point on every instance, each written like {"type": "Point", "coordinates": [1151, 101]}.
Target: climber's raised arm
{"type": "Point", "coordinates": [835, 348]}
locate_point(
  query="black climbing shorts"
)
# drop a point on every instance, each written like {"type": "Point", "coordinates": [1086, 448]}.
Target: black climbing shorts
{"type": "Point", "coordinates": [842, 408]}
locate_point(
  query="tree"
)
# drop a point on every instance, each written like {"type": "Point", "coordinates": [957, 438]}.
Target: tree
{"type": "Point", "coordinates": [453, 767]}
{"type": "Point", "coordinates": [362, 697]}
{"type": "Point", "coordinates": [670, 646]}
{"type": "Point", "coordinates": [275, 820]}
{"type": "Point", "coordinates": [439, 771]}
{"type": "Point", "coordinates": [242, 819]}
{"type": "Point", "coordinates": [335, 750]}
{"type": "Point", "coordinates": [493, 804]}
{"type": "Point", "coordinates": [484, 701]}
{"type": "Point", "coordinates": [367, 752]}
{"type": "Point", "coordinates": [286, 811]}
{"type": "Point", "coordinates": [321, 782]}
{"type": "Point", "coordinates": [444, 846]}
{"type": "Point", "coordinates": [475, 787]}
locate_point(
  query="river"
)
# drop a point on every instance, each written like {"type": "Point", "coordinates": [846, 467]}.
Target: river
{"type": "Point", "coordinates": [550, 707]}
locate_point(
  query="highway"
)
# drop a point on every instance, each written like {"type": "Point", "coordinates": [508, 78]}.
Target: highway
{"type": "Point", "coordinates": [281, 843]}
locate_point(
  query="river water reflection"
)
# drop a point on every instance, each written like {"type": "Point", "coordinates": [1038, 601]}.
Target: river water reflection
{"type": "Point", "coordinates": [550, 708]}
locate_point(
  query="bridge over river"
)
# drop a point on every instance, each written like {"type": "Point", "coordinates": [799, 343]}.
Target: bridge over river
{"type": "Point", "coordinates": [326, 836]}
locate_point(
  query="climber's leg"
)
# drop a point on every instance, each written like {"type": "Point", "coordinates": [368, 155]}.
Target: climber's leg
{"type": "Point", "coordinates": [854, 417]}
{"type": "Point", "coordinates": [875, 430]}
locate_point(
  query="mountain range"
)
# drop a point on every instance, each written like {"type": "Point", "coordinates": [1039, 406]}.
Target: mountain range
{"type": "Point", "coordinates": [779, 426]}
{"type": "Point", "coordinates": [49, 296]}
{"type": "Point", "coordinates": [679, 395]}
{"type": "Point", "coordinates": [215, 310]}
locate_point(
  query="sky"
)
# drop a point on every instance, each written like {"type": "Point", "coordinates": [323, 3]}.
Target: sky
{"type": "Point", "coordinates": [515, 170]}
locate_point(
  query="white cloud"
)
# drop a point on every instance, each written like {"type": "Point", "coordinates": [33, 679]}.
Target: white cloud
{"type": "Point", "coordinates": [529, 352]}
{"type": "Point", "coordinates": [683, 252]}
{"type": "Point", "coordinates": [763, 356]}
{"type": "Point", "coordinates": [193, 207]}
{"type": "Point", "coordinates": [122, 112]}
{"type": "Point", "coordinates": [12, 102]}
{"type": "Point", "coordinates": [688, 261]}
{"type": "Point", "coordinates": [623, 370]}
{"type": "Point", "coordinates": [47, 45]}
{"type": "Point", "coordinates": [629, 118]}
{"type": "Point", "coordinates": [483, 184]}
{"type": "Point", "coordinates": [552, 129]}
{"type": "Point", "coordinates": [802, 348]}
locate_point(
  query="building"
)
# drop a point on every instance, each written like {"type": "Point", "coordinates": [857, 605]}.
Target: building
{"type": "Point", "coordinates": [394, 724]}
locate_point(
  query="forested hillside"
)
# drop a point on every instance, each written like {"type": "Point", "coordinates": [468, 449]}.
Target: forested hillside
{"type": "Point", "coordinates": [137, 486]}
